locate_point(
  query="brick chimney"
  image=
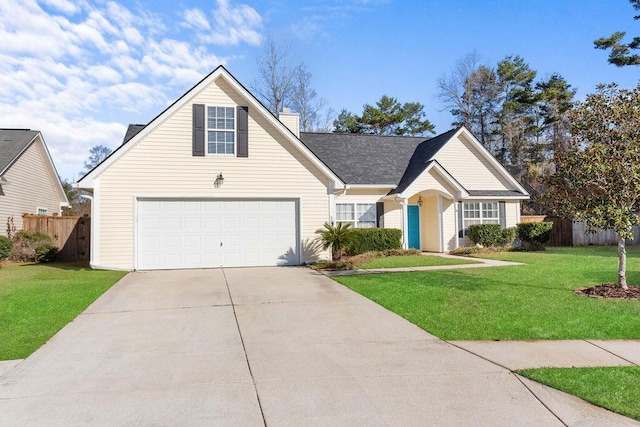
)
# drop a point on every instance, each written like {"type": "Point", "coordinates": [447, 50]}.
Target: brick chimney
{"type": "Point", "coordinates": [290, 120]}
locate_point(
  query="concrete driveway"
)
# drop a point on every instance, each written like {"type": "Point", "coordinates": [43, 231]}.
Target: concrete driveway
{"type": "Point", "coordinates": [263, 346]}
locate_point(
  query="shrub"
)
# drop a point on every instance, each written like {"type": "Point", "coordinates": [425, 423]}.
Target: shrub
{"type": "Point", "coordinates": [25, 244]}
{"type": "Point", "coordinates": [535, 235]}
{"type": "Point", "coordinates": [5, 247]}
{"type": "Point", "coordinates": [45, 253]}
{"type": "Point", "coordinates": [374, 239]}
{"type": "Point", "coordinates": [489, 235]}
{"type": "Point", "coordinates": [336, 237]}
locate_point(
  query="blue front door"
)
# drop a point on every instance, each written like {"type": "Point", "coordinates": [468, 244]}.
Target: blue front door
{"type": "Point", "coordinates": [413, 219]}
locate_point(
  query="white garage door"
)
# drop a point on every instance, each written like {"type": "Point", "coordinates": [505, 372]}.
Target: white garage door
{"type": "Point", "coordinates": [215, 233]}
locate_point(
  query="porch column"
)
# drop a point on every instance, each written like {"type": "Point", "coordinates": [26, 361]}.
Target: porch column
{"type": "Point", "coordinates": [405, 224]}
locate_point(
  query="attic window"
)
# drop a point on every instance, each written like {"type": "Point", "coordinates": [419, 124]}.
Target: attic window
{"type": "Point", "coordinates": [221, 125]}
{"type": "Point", "coordinates": [42, 211]}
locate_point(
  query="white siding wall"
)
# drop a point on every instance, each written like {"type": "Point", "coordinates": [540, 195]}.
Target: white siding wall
{"type": "Point", "coordinates": [162, 165]}
{"type": "Point", "coordinates": [469, 167]}
{"type": "Point", "coordinates": [31, 186]}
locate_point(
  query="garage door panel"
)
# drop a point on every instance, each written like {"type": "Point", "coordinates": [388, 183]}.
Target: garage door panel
{"type": "Point", "coordinates": [213, 233]}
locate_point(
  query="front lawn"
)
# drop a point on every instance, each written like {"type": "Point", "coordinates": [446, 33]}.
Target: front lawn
{"type": "Point", "coordinates": [532, 301]}
{"type": "Point", "coordinates": [413, 261]}
{"type": "Point", "coordinates": [37, 300]}
{"type": "Point", "coordinates": [614, 388]}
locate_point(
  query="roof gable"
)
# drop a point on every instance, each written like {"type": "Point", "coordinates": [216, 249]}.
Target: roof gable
{"type": "Point", "coordinates": [14, 142]}
{"type": "Point", "coordinates": [136, 133]}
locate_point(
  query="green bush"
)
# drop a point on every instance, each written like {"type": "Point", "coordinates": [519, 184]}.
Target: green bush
{"type": "Point", "coordinates": [25, 244]}
{"type": "Point", "coordinates": [374, 239]}
{"type": "Point", "coordinates": [336, 237]}
{"type": "Point", "coordinates": [5, 247]}
{"type": "Point", "coordinates": [46, 252]}
{"type": "Point", "coordinates": [489, 235]}
{"type": "Point", "coordinates": [535, 235]}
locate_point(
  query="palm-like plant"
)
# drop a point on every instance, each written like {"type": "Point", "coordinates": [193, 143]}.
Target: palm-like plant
{"type": "Point", "coordinates": [335, 236]}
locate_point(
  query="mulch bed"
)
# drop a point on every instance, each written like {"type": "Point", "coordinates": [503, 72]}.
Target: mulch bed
{"type": "Point", "coordinates": [610, 290]}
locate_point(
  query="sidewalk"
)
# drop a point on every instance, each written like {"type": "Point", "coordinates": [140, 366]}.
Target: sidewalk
{"type": "Point", "coordinates": [514, 355]}
{"type": "Point", "coordinates": [480, 264]}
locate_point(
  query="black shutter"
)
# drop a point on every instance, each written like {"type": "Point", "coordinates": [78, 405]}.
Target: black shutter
{"type": "Point", "coordinates": [460, 223]}
{"type": "Point", "coordinates": [243, 131]}
{"type": "Point", "coordinates": [503, 215]}
{"type": "Point", "coordinates": [380, 214]}
{"type": "Point", "coordinates": [199, 129]}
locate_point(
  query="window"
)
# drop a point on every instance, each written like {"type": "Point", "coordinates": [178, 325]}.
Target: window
{"type": "Point", "coordinates": [42, 211]}
{"type": "Point", "coordinates": [221, 125]}
{"type": "Point", "coordinates": [360, 215]}
{"type": "Point", "coordinates": [479, 213]}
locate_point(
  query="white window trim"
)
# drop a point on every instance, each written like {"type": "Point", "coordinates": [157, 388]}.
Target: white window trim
{"type": "Point", "coordinates": [354, 222]}
{"type": "Point", "coordinates": [482, 219]}
{"type": "Point", "coordinates": [207, 129]}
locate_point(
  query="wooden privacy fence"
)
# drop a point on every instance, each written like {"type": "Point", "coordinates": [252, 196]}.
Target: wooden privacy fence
{"type": "Point", "coordinates": [71, 234]}
{"type": "Point", "coordinates": [567, 232]}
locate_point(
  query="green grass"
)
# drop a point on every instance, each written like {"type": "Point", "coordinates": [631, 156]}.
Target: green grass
{"type": "Point", "coordinates": [413, 261]}
{"type": "Point", "coordinates": [614, 388]}
{"type": "Point", "coordinates": [532, 301]}
{"type": "Point", "coordinates": [37, 300]}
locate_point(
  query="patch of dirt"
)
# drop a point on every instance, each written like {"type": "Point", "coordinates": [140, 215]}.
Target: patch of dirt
{"type": "Point", "coordinates": [610, 290]}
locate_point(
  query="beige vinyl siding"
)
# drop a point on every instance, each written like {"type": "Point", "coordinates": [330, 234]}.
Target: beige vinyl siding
{"type": "Point", "coordinates": [469, 167]}
{"type": "Point", "coordinates": [31, 186]}
{"type": "Point", "coordinates": [449, 224]}
{"type": "Point", "coordinates": [392, 214]}
{"type": "Point", "coordinates": [430, 181]}
{"type": "Point", "coordinates": [162, 165]}
{"type": "Point", "coordinates": [430, 224]}
{"type": "Point", "coordinates": [512, 213]}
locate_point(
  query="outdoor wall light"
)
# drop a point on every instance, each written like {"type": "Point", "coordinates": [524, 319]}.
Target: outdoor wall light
{"type": "Point", "coordinates": [219, 180]}
{"type": "Point", "coordinates": [420, 201]}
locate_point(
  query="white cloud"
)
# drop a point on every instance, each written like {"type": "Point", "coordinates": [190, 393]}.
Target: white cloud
{"type": "Point", "coordinates": [195, 18]}
{"type": "Point", "coordinates": [80, 71]}
{"type": "Point", "coordinates": [234, 25]}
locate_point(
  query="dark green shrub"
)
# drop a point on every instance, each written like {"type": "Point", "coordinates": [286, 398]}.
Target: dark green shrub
{"type": "Point", "coordinates": [489, 235]}
{"type": "Point", "coordinates": [45, 253]}
{"type": "Point", "coordinates": [535, 235]}
{"type": "Point", "coordinates": [5, 247]}
{"type": "Point", "coordinates": [374, 239]}
{"type": "Point", "coordinates": [25, 244]}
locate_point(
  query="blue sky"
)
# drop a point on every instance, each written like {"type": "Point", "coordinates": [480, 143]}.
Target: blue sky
{"type": "Point", "coordinates": [81, 70]}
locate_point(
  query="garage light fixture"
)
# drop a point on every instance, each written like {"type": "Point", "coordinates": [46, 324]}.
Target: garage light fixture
{"type": "Point", "coordinates": [219, 180]}
{"type": "Point", "coordinates": [420, 200]}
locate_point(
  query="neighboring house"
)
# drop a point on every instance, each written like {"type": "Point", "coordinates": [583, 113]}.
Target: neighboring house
{"type": "Point", "coordinates": [217, 180]}
{"type": "Point", "coordinates": [29, 182]}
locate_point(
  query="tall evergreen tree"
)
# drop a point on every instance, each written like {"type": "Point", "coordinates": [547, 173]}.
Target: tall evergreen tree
{"type": "Point", "coordinates": [621, 53]}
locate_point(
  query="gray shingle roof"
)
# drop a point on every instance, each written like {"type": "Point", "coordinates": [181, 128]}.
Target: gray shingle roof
{"type": "Point", "coordinates": [12, 143]}
{"type": "Point", "coordinates": [422, 155]}
{"type": "Point", "coordinates": [494, 193]}
{"type": "Point", "coordinates": [132, 131]}
{"type": "Point", "coordinates": [363, 159]}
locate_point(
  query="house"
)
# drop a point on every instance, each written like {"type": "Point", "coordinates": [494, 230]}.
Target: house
{"type": "Point", "coordinates": [29, 182]}
{"type": "Point", "coordinates": [217, 180]}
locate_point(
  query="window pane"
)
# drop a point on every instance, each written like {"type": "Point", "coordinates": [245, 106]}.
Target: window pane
{"type": "Point", "coordinates": [211, 148]}
{"type": "Point", "coordinates": [471, 210]}
{"type": "Point", "coordinates": [490, 210]}
{"type": "Point", "coordinates": [366, 212]}
{"type": "Point", "coordinates": [344, 212]}
{"type": "Point", "coordinates": [230, 112]}
{"type": "Point", "coordinates": [220, 123]}
{"type": "Point", "coordinates": [228, 137]}
{"type": "Point", "coordinates": [229, 148]}
{"type": "Point", "coordinates": [366, 224]}
{"type": "Point", "coordinates": [229, 124]}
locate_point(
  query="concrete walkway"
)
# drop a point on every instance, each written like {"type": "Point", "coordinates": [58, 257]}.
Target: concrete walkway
{"type": "Point", "coordinates": [480, 264]}
{"type": "Point", "coordinates": [265, 346]}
